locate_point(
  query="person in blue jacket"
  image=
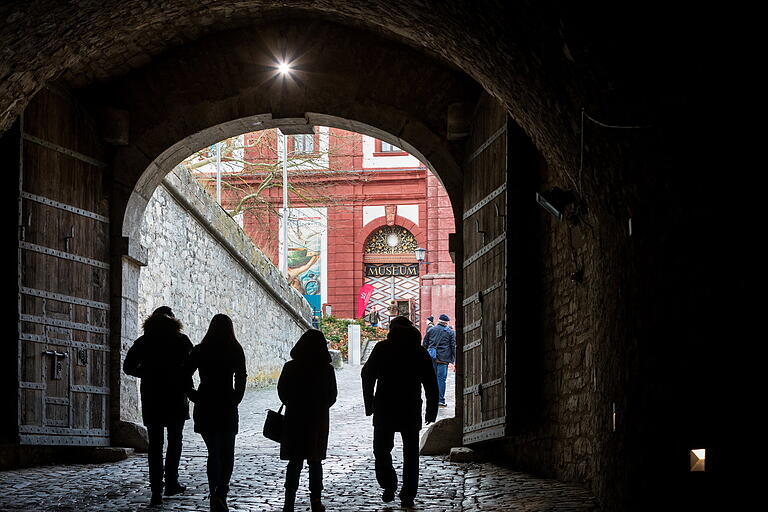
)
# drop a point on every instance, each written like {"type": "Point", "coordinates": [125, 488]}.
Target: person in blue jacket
{"type": "Point", "coordinates": [440, 340]}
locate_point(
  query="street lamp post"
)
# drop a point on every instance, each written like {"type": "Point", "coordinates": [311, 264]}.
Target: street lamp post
{"type": "Point", "coordinates": [284, 268]}
{"type": "Point", "coordinates": [218, 172]}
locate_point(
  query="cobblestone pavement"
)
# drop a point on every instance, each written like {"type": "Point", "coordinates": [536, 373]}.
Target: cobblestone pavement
{"type": "Point", "coordinates": [350, 484]}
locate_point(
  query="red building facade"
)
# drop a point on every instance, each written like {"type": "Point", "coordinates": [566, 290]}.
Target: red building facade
{"type": "Point", "coordinates": [360, 207]}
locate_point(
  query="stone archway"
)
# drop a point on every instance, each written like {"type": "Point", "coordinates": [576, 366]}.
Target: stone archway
{"type": "Point", "coordinates": [634, 306]}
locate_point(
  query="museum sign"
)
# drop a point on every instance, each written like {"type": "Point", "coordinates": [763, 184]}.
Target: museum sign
{"type": "Point", "coordinates": [391, 269]}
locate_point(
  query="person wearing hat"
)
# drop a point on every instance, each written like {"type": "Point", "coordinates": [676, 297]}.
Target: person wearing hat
{"type": "Point", "coordinates": [430, 322]}
{"type": "Point", "coordinates": [440, 342]}
{"type": "Point", "coordinates": [159, 357]}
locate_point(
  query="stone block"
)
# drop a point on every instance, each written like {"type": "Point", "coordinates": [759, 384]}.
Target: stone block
{"type": "Point", "coordinates": [131, 435]}
{"type": "Point", "coordinates": [440, 437]}
{"type": "Point", "coordinates": [464, 454]}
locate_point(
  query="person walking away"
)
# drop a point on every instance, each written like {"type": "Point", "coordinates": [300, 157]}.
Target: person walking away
{"type": "Point", "coordinates": [375, 318]}
{"type": "Point", "coordinates": [307, 388]}
{"type": "Point", "coordinates": [397, 369]}
{"type": "Point", "coordinates": [158, 358]}
{"type": "Point", "coordinates": [430, 322]}
{"type": "Point", "coordinates": [220, 361]}
{"type": "Point", "coordinates": [443, 339]}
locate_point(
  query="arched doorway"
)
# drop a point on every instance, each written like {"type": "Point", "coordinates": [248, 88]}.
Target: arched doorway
{"type": "Point", "coordinates": [392, 271]}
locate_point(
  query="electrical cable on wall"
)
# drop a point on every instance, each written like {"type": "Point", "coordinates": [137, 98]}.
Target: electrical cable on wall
{"type": "Point", "coordinates": [581, 135]}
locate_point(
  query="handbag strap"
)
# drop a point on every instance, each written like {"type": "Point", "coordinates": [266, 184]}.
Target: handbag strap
{"type": "Point", "coordinates": [280, 410]}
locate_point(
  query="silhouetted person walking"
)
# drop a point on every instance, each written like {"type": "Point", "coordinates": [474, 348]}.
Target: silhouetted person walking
{"type": "Point", "coordinates": [398, 367]}
{"type": "Point", "coordinates": [220, 360]}
{"type": "Point", "coordinates": [159, 358]}
{"type": "Point", "coordinates": [307, 388]}
{"type": "Point", "coordinates": [443, 339]}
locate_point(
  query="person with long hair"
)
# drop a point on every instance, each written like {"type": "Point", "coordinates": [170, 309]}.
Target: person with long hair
{"type": "Point", "coordinates": [159, 357]}
{"type": "Point", "coordinates": [220, 361]}
{"type": "Point", "coordinates": [307, 388]}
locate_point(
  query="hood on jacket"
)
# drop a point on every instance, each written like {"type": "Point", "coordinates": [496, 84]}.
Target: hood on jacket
{"type": "Point", "coordinates": [312, 347]}
{"type": "Point", "coordinates": [401, 329]}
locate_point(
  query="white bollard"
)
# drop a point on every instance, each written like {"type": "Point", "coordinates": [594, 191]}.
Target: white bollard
{"type": "Point", "coordinates": [353, 340]}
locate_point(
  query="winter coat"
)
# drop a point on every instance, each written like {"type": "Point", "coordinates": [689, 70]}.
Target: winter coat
{"type": "Point", "coordinates": [398, 368]}
{"type": "Point", "coordinates": [443, 339]}
{"type": "Point", "coordinates": [159, 358]}
{"type": "Point", "coordinates": [216, 399]}
{"type": "Point", "coordinates": [307, 388]}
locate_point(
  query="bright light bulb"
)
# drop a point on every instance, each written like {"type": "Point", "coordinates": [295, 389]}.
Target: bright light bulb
{"type": "Point", "coordinates": [284, 68]}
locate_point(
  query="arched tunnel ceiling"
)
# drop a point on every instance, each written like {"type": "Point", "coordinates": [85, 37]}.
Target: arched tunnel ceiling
{"type": "Point", "coordinates": [544, 60]}
{"type": "Point", "coordinates": [226, 83]}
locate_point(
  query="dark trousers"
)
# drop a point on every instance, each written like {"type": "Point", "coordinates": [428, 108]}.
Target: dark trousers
{"type": "Point", "coordinates": [293, 473]}
{"type": "Point", "coordinates": [383, 442]}
{"type": "Point", "coordinates": [221, 458]}
{"type": "Point", "coordinates": [156, 434]}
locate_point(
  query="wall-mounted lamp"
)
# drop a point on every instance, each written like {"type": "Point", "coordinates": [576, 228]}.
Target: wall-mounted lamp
{"type": "Point", "coordinates": [698, 458]}
{"type": "Point", "coordinates": [555, 201]}
{"type": "Point", "coordinates": [421, 255]}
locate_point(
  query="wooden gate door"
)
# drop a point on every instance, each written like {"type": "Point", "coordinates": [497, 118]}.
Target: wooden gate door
{"type": "Point", "coordinates": [63, 277]}
{"type": "Point", "coordinates": [484, 271]}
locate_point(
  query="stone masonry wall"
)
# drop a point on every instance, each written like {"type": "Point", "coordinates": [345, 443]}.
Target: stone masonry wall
{"type": "Point", "coordinates": [201, 263]}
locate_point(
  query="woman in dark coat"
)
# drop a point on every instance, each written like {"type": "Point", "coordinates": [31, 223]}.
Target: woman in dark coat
{"type": "Point", "coordinates": [159, 358]}
{"type": "Point", "coordinates": [218, 358]}
{"type": "Point", "coordinates": [307, 388]}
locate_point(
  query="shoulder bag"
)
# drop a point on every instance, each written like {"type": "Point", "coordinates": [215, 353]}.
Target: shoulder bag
{"type": "Point", "coordinates": [273, 425]}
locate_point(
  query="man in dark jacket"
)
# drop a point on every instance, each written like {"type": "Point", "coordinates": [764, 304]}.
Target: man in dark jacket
{"type": "Point", "coordinates": [398, 368]}
{"type": "Point", "coordinates": [159, 358]}
{"type": "Point", "coordinates": [442, 339]}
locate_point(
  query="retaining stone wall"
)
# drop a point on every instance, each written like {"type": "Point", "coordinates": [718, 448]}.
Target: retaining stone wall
{"type": "Point", "coordinates": [201, 263]}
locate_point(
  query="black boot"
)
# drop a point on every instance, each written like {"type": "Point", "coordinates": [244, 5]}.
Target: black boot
{"type": "Point", "coordinates": [315, 503]}
{"type": "Point", "coordinates": [219, 499]}
{"type": "Point", "coordinates": [290, 500]}
{"type": "Point", "coordinates": [174, 488]}
{"type": "Point", "coordinates": [156, 499]}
